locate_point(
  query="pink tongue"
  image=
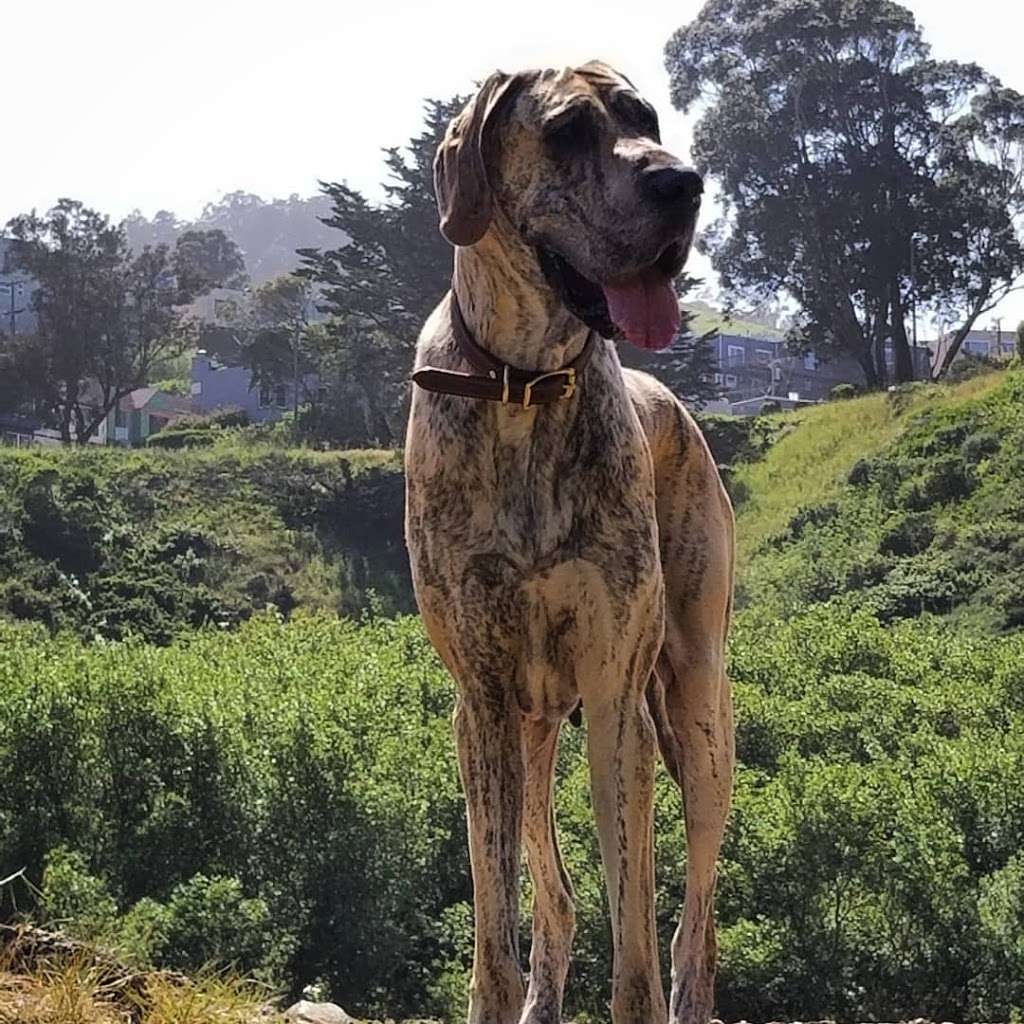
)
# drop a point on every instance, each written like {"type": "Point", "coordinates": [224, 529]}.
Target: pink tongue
{"type": "Point", "coordinates": [645, 309]}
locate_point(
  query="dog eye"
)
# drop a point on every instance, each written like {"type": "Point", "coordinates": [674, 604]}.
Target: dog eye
{"type": "Point", "coordinates": [637, 113]}
{"type": "Point", "coordinates": [571, 131]}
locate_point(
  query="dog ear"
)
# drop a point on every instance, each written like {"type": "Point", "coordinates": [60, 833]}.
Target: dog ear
{"type": "Point", "coordinates": [464, 197]}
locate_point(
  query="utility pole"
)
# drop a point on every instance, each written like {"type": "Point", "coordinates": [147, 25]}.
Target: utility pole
{"type": "Point", "coordinates": [913, 295]}
{"type": "Point", "coordinates": [301, 322]}
{"type": "Point", "coordinates": [295, 380]}
{"type": "Point", "coordinates": [998, 321]}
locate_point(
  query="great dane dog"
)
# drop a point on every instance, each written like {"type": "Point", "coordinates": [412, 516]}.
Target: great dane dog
{"type": "Point", "coordinates": [570, 537]}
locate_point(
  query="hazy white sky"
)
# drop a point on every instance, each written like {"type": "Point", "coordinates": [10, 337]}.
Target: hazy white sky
{"type": "Point", "coordinates": [130, 103]}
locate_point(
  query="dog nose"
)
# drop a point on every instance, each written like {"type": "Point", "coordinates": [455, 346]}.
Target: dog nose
{"type": "Point", "coordinates": [674, 184]}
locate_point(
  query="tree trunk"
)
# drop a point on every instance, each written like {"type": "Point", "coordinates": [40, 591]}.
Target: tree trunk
{"type": "Point", "coordinates": [879, 332]}
{"type": "Point", "coordinates": [867, 364]}
{"type": "Point", "coordinates": [958, 338]}
{"type": "Point", "coordinates": [70, 397]}
{"type": "Point", "coordinates": [901, 347]}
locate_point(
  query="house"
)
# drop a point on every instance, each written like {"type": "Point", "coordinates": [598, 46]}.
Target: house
{"type": "Point", "coordinates": [17, 315]}
{"type": "Point", "coordinates": [223, 382]}
{"type": "Point", "coordinates": [219, 307]}
{"type": "Point", "coordinates": [216, 384]}
{"type": "Point", "coordinates": [136, 416]}
{"type": "Point", "coordinates": [143, 412]}
{"type": "Point", "coordinates": [999, 345]}
{"type": "Point", "coordinates": [753, 371]}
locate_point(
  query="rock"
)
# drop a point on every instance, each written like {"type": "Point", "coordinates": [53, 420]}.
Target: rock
{"type": "Point", "coordinates": [304, 1012]}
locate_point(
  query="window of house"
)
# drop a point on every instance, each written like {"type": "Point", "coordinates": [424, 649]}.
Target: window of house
{"type": "Point", "coordinates": [264, 396]}
{"type": "Point", "coordinates": [120, 417]}
{"type": "Point", "coordinates": [810, 361]}
{"type": "Point", "coordinates": [737, 355]}
{"type": "Point", "coordinates": [225, 309]}
{"type": "Point", "coordinates": [776, 373]}
{"type": "Point", "coordinates": [764, 355]}
{"type": "Point", "coordinates": [281, 396]}
{"type": "Point", "coordinates": [730, 380]}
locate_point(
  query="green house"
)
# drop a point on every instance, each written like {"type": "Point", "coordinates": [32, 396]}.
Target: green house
{"type": "Point", "coordinates": [143, 412]}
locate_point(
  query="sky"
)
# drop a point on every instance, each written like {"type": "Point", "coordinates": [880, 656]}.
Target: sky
{"type": "Point", "coordinates": [129, 104]}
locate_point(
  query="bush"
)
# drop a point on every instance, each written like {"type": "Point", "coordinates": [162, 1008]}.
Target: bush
{"type": "Point", "coordinates": [842, 392]}
{"type": "Point", "coordinates": [735, 439]}
{"type": "Point", "coordinates": [148, 543]}
{"type": "Point", "coordinates": [208, 921]}
{"type": "Point", "coordinates": [168, 439]}
{"type": "Point", "coordinates": [285, 796]}
{"type": "Point", "coordinates": [72, 898]}
{"type": "Point", "coordinates": [226, 418]}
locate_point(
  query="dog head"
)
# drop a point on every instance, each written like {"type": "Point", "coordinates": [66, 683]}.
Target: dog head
{"type": "Point", "coordinates": [571, 162]}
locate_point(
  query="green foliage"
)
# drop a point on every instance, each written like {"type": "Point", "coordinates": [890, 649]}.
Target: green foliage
{"type": "Point", "coordinates": [228, 416]}
{"type": "Point", "coordinates": [182, 437]}
{"type": "Point", "coordinates": [933, 523]}
{"type": "Point", "coordinates": [285, 796]}
{"type": "Point", "coordinates": [115, 543]}
{"type": "Point", "coordinates": [857, 174]}
{"type": "Point", "coordinates": [210, 921]}
{"type": "Point", "coordinates": [73, 899]}
{"type": "Point", "coordinates": [268, 231]}
{"type": "Point", "coordinates": [204, 260]}
{"type": "Point", "coordinates": [735, 439]}
{"type": "Point", "coordinates": [106, 317]}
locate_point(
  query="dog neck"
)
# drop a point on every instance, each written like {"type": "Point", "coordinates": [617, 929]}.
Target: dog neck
{"type": "Point", "coordinates": [509, 307]}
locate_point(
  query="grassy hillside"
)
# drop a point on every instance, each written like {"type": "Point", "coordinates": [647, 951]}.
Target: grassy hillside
{"type": "Point", "coordinates": [901, 503]}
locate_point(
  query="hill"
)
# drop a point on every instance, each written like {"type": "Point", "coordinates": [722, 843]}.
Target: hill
{"type": "Point", "coordinates": [902, 503]}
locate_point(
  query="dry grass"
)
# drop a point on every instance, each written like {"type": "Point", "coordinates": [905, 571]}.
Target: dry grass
{"type": "Point", "coordinates": [82, 986]}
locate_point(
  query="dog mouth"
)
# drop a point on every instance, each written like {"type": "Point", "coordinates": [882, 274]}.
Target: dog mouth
{"type": "Point", "coordinates": [641, 306]}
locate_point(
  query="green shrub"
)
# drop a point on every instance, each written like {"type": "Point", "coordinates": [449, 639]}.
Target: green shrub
{"type": "Point", "coordinates": [734, 439]}
{"type": "Point", "coordinates": [285, 796]}
{"type": "Point", "coordinates": [148, 543]}
{"type": "Point", "coordinates": [225, 418]}
{"type": "Point", "coordinates": [209, 921]}
{"type": "Point", "coordinates": [72, 898]}
{"type": "Point", "coordinates": [908, 534]}
{"type": "Point", "coordinates": [841, 392]}
{"type": "Point", "coordinates": [195, 437]}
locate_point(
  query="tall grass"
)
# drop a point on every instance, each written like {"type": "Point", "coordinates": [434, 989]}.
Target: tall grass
{"type": "Point", "coordinates": [819, 445]}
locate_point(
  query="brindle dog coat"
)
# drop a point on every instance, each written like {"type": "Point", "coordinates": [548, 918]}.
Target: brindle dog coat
{"type": "Point", "coordinates": [577, 551]}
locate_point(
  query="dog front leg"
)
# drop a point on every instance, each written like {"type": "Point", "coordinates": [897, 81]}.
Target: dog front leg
{"type": "Point", "coordinates": [621, 752]}
{"type": "Point", "coordinates": [488, 736]}
{"type": "Point", "coordinates": [554, 917]}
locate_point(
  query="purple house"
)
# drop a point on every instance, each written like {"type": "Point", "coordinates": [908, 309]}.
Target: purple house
{"type": "Point", "coordinates": [753, 370]}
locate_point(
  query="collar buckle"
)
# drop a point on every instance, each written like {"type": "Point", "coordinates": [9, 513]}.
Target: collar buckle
{"type": "Point", "coordinates": [568, 390]}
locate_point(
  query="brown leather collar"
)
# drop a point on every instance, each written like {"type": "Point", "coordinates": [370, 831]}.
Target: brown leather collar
{"type": "Point", "coordinates": [497, 381]}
